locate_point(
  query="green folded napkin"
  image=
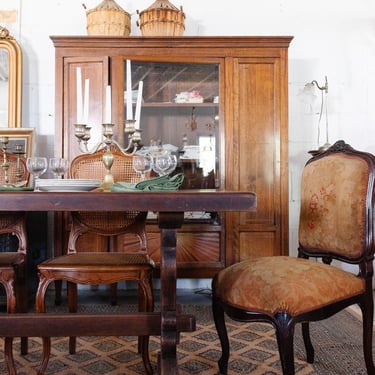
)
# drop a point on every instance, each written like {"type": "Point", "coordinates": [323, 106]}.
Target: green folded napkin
{"type": "Point", "coordinates": [15, 188]}
{"type": "Point", "coordinates": [162, 183]}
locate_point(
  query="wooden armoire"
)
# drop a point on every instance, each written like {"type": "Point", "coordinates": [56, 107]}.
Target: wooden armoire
{"type": "Point", "coordinates": [220, 103]}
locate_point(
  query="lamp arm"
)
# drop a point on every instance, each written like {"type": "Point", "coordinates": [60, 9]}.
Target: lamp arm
{"type": "Point", "coordinates": [325, 87]}
{"type": "Point", "coordinates": [323, 108]}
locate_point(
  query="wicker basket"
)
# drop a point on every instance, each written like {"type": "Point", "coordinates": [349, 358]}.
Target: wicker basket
{"type": "Point", "coordinates": [108, 18]}
{"type": "Point", "coordinates": [162, 19]}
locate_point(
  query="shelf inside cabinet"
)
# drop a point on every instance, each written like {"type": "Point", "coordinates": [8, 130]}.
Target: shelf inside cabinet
{"type": "Point", "coordinates": [177, 105]}
{"type": "Point", "coordinates": [176, 83]}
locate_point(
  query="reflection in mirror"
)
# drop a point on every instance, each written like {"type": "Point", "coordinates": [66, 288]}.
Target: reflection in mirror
{"type": "Point", "coordinates": [4, 84]}
{"type": "Point", "coordinates": [10, 80]}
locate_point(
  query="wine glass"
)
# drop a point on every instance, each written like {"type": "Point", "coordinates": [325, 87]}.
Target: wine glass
{"type": "Point", "coordinates": [36, 165]}
{"type": "Point", "coordinates": [164, 163]}
{"type": "Point", "coordinates": [172, 163]}
{"type": "Point", "coordinates": [142, 164]}
{"type": "Point", "coordinates": [59, 166]}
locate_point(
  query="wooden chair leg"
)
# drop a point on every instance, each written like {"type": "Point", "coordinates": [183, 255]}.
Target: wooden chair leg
{"type": "Point", "coordinates": [8, 355]}
{"type": "Point", "coordinates": [145, 303]}
{"type": "Point", "coordinates": [22, 303]}
{"type": "Point", "coordinates": [367, 308]}
{"type": "Point", "coordinates": [218, 314]}
{"type": "Point", "coordinates": [114, 294]}
{"type": "Point", "coordinates": [285, 335]}
{"type": "Point", "coordinates": [144, 344]}
{"type": "Point", "coordinates": [24, 345]}
{"type": "Point", "coordinates": [58, 292]}
{"type": "Point", "coordinates": [308, 344]}
{"type": "Point", "coordinates": [73, 307]}
{"type": "Point", "coordinates": [45, 355]}
{"type": "Point", "coordinates": [40, 307]}
{"type": "Point", "coordinates": [17, 302]}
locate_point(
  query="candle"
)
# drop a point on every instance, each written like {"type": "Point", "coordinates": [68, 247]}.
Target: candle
{"type": "Point", "coordinates": [108, 106]}
{"type": "Point", "coordinates": [138, 105]}
{"type": "Point", "coordinates": [79, 96]}
{"type": "Point", "coordinates": [129, 103]}
{"type": "Point", "coordinates": [86, 102]}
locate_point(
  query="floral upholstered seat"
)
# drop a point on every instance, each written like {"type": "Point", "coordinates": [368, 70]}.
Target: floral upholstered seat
{"type": "Point", "coordinates": [285, 284]}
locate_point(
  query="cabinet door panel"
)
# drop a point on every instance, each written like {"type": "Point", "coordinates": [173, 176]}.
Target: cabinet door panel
{"type": "Point", "coordinates": [257, 244]}
{"type": "Point", "coordinates": [258, 121]}
{"type": "Point", "coordinates": [258, 138]}
{"type": "Point", "coordinates": [96, 71]}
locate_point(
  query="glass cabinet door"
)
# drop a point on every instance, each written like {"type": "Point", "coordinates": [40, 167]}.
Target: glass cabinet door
{"type": "Point", "coordinates": [179, 112]}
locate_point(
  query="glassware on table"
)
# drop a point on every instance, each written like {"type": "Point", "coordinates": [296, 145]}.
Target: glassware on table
{"type": "Point", "coordinates": [58, 166]}
{"type": "Point", "coordinates": [142, 164]}
{"type": "Point", "coordinates": [36, 165]}
{"type": "Point", "coordinates": [164, 163]}
{"type": "Point", "coordinates": [172, 163]}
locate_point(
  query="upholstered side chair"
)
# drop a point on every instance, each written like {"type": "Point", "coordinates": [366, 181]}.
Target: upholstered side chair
{"type": "Point", "coordinates": [336, 223]}
{"type": "Point", "coordinates": [105, 267]}
{"type": "Point", "coordinates": [13, 265]}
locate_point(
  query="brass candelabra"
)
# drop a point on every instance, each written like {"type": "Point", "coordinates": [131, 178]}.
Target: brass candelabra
{"type": "Point", "coordinates": [82, 133]}
{"type": "Point", "coordinates": [19, 151]}
{"type": "Point", "coordinates": [5, 164]}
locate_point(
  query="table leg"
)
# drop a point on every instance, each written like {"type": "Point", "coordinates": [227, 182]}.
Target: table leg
{"type": "Point", "coordinates": [169, 222]}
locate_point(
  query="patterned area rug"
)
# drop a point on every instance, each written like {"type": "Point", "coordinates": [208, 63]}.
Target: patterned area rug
{"type": "Point", "coordinates": [337, 341]}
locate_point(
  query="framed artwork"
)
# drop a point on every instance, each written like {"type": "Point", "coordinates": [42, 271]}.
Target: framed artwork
{"type": "Point", "coordinates": [18, 140]}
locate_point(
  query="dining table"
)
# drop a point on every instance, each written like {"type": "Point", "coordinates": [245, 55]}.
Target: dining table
{"type": "Point", "coordinates": [170, 320]}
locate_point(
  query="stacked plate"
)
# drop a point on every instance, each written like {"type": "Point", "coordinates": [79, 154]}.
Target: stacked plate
{"type": "Point", "coordinates": [66, 184]}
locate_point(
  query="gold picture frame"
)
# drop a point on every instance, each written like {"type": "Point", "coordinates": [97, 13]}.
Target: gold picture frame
{"type": "Point", "coordinates": [11, 80]}
{"type": "Point", "coordinates": [19, 136]}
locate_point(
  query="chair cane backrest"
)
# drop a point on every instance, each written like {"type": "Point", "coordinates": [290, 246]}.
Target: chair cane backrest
{"type": "Point", "coordinates": [14, 222]}
{"type": "Point", "coordinates": [90, 166]}
{"type": "Point", "coordinates": [337, 205]}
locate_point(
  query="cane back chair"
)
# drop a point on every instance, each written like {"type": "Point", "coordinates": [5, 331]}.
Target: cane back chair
{"type": "Point", "coordinates": [336, 223]}
{"type": "Point", "coordinates": [93, 268]}
{"type": "Point", "coordinates": [13, 265]}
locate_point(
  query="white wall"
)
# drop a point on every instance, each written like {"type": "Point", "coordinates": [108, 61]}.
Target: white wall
{"type": "Point", "coordinates": [331, 38]}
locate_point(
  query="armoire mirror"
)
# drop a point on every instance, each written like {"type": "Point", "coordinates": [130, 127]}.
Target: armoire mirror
{"type": "Point", "coordinates": [10, 80]}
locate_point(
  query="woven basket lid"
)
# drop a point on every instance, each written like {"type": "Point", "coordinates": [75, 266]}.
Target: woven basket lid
{"type": "Point", "coordinates": [108, 4]}
{"type": "Point", "coordinates": [162, 4]}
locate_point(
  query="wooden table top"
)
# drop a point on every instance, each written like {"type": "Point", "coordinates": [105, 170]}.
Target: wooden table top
{"type": "Point", "coordinates": [177, 201]}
